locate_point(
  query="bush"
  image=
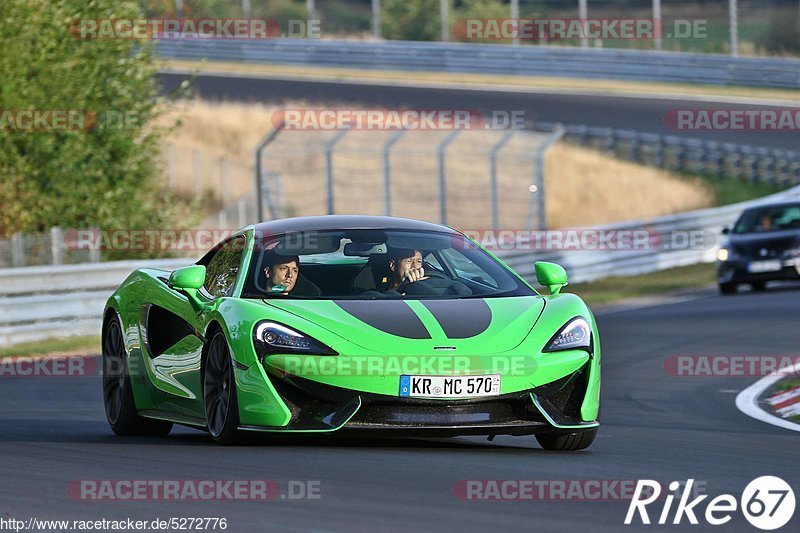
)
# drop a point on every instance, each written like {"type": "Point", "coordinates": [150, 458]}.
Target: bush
{"type": "Point", "coordinates": [340, 17]}
{"type": "Point", "coordinates": [783, 35]}
{"type": "Point", "coordinates": [103, 175]}
{"type": "Point", "coordinates": [411, 20]}
{"type": "Point", "coordinates": [477, 9]}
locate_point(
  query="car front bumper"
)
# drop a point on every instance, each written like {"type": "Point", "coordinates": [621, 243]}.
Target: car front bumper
{"type": "Point", "coordinates": [738, 272]}
{"type": "Point", "coordinates": [321, 408]}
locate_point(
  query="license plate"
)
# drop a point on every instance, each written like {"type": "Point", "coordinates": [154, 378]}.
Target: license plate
{"type": "Point", "coordinates": [764, 266]}
{"type": "Point", "coordinates": [450, 386]}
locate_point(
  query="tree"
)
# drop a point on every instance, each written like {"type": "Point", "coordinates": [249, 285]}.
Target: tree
{"type": "Point", "coordinates": [103, 174]}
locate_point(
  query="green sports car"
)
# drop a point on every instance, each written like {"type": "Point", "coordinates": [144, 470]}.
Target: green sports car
{"type": "Point", "coordinates": [359, 324]}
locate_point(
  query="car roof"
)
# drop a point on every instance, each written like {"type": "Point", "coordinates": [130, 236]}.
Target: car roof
{"type": "Point", "coordinates": [344, 222]}
{"type": "Point", "coordinates": [782, 203]}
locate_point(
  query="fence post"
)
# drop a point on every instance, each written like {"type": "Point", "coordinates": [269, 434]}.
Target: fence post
{"type": "Point", "coordinates": [733, 160]}
{"type": "Point", "coordinates": [610, 141]}
{"type": "Point", "coordinates": [376, 19]}
{"type": "Point", "coordinates": [781, 168]}
{"type": "Point", "coordinates": [515, 16]}
{"type": "Point", "coordinates": [57, 245]}
{"type": "Point", "coordinates": [659, 156]}
{"type": "Point", "coordinates": [329, 168]}
{"type": "Point", "coordinates": [794, 176]}
{"type": "Point", "coordinates": [170, 167]}
{"type": "Point", "coordinates": [196, 172]}
{"type": "Point", "coordinates": [766, 164]}
{"type": "Point", "coordinates": [268, 138]}
{"type": "Point", "coordinates": [17, 250]}
{"type": "Point", "coordinates": [537, 194]}
{"type": "Point", "coordinates": [749, 164]}
{"type": "Point", "coordinates": [241, 207]}
{"type": "Point", "coordinates": [387, 171]}
{"type": "Point", "coordinates": [634, 147]}
{"type": "Point", "coordinates": [443, 174]}
{"type": "Point", "coordinates": [281, 207]}
{"type": "Point", "coordinates": [94, 251]}
{"type": "Point", "coordinates": [583, 14]}
{"type": "Point", "coordinates": [223, 178]}
{"type": "Point", "coordinates": [493, 176]}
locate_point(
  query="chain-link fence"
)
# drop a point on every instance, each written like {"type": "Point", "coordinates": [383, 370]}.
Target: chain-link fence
{"type": "Point", "coordinates": [224, 185]}
{"type": "Point", "coordinates": [462, 178]}
{"type": "Point", "coordinates": [47, 248]}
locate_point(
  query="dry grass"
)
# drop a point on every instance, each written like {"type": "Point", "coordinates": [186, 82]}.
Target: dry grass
{"type": "Point", "coordinates": [582, 186]}
{"type": "Point", "coordinates": [587, 187]}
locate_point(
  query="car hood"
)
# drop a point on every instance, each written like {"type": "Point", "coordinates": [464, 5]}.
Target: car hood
{"type": "Point", "coordinates": [414, 327]}
{"type": "Point", "coordinates": [764, 245]}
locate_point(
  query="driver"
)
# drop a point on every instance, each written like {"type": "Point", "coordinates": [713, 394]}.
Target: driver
{"type": "Point", "coordinates": [281, 273]}
{"type": "Point", "coordinates": [405, 265]}
{"type": "Point", "coordinates": [766, 222]}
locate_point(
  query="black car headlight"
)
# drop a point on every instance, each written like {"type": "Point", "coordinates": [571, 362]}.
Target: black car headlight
{"type": "Point", "coordinates": [575, 335]}
{"type": "Point", "coordinates": [272, 337]}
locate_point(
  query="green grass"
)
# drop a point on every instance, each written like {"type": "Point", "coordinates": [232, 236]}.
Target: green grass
{"type": "Point", "coordinates": [614, 289]}
{"type": "Point", "coordinates": [785, 384]}
{"type": "Point", "coordinates": [730, 191]}
{"type": "Point", "coordinates": [68, 345]}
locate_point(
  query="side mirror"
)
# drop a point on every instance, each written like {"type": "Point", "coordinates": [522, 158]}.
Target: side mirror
{"type": "Point", "coordinates": [551, 275]}
{"type": "Point", "coordinates": [188, 280]}
{"type": "Point", "coordinates": [726, 230]}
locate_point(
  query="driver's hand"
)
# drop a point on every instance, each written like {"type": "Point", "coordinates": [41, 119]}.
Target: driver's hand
{"type": "Point", "coordinates": [415, 274]}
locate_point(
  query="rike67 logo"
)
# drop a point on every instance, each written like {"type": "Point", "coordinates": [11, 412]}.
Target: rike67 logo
{"type": "Point", "coordinates": [767, 503]}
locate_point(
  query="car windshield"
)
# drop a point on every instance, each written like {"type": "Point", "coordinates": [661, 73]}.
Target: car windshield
{"type": "Point", "coordinates": [768, 218]}
{"type": "Point", "coordinates": [376, 264]}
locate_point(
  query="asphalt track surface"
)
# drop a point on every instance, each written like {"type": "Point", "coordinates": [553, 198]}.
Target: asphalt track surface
{"type": "Point", "coordinates": [654, 425]}
{"type": "Point", "coordinates": [644, 114]}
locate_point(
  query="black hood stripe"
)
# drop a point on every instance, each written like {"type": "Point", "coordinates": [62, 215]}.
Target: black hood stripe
{"type": "Point", "coordinates": [391, 316]}
{"type": "Point", "coordinates": [460, 319]}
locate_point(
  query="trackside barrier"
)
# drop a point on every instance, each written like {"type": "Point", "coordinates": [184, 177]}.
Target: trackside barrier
{"type": "Point", "coordinates": [686, 154]}
{"type": "Point", "coordinates": [47, 301]}
{"type": "Point", "coordinates": [585, 266]}
{"type": "Point", "coordinates": [61, 301]}
{"type": "Point", "coordinates": [632, 65]}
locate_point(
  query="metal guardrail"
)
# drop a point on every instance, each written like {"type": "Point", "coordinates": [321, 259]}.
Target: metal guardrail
{"type": "Point", "coordinates": [724, 160]}
{"type": "Point", "coordinates": [46, 301]}
{"type": "Point", "coordinates": [528, 60]}
{"type": "Point", "coordinates": [698, 239]}
{"type": "Point", "coordinates": [61, 301]}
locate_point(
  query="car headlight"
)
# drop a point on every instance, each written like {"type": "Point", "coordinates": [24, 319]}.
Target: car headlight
{"type": "Point", "coordinates": [723, 254]}
{"type": "Point", "coordinates": [575, 335]}
{"type": "Point", "coordinates": [272, 337]}
{"type": "Point", "coordinates": [792, 252]}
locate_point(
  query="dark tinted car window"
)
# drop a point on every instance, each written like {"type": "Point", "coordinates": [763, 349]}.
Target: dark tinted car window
{"type": "Point", "coordinates": [356, 264]}
{"type": "Point", "coordinates": [769, 218]}
{"type": "Point", "coordinates": [223, 268]}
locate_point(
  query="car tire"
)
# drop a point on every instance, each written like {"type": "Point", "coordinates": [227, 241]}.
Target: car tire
{"type": "Point", "coordinates": [118, 398]}
{"type": "Point", "coordinates": [758, 286]}
{"type": "Point", "coordinates": [727, 288]}
{"type": "Point", "coordinates": [567, 442]}
{"type": "Point", "coordinates": [219, 392]}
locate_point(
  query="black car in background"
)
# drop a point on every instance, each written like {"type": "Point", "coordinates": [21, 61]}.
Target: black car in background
{"type": "Point", "coordinates": [762, 246]}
